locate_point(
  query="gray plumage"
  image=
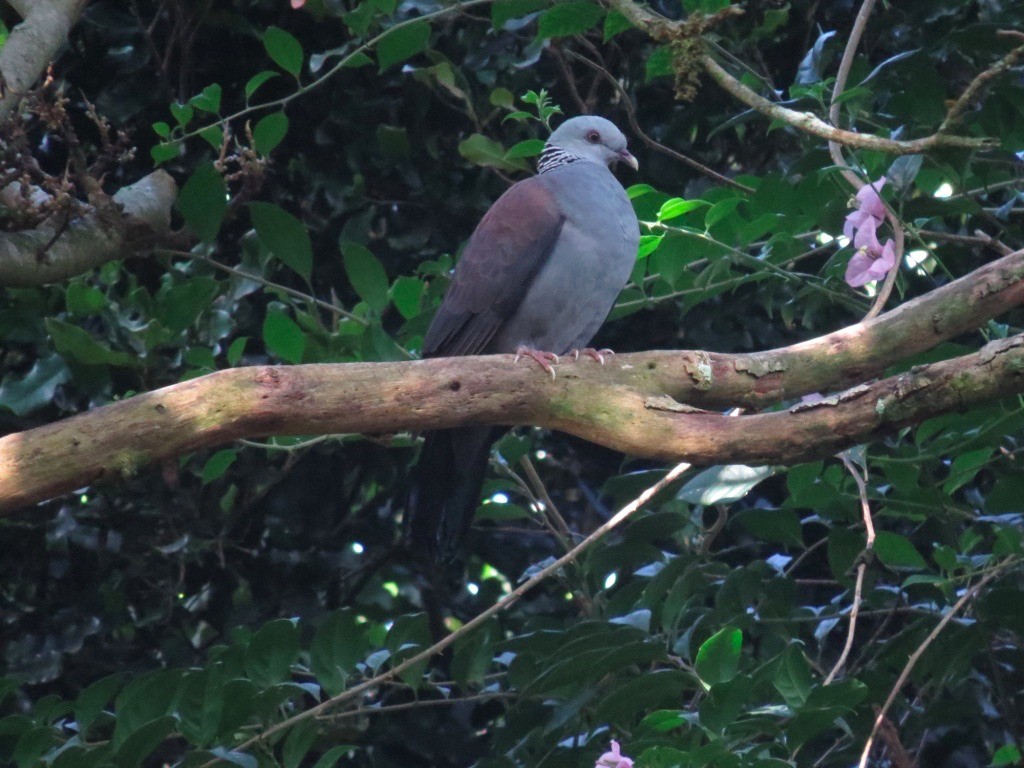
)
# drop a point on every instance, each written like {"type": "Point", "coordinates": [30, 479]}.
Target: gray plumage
{"type": "Point", "coordinates": [542, 270]}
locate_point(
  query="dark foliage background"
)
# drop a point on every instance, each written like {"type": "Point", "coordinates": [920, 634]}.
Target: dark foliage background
{"type": "Point", "coordinates": [221, 566]}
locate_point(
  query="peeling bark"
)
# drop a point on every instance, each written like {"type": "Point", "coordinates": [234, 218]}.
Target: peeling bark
{"type": "Point", "coordinates": [617, 405]}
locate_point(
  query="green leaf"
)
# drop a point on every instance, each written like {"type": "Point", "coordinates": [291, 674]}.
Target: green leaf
{"type": "Point", "coordinates": [406, 293]}
{"type": "Point", "coordinates": [94, 698]}
{"type": "Point", "coordinates": [965, 467]}
{"type": "Point", "coordinates": [31, 745]}
{"type": "Point", "coordinates": [298, 742]}
{"type": "Point", "coordinates": [203, 201]}
{"type": "Point", "coordinates": [614, 23]}
{"type": "Point", "coordinates": [721, 210]}
{"type": "Point", "coordinates": [719, 656]}
{"type": "Point", "coordinates": [269, 132]}
{"type": "Point", "coordinates": [218, 464]}
{"type": "Point", "coordinates": [24, 393]}
{"type": "Point", "coordinates": [567, 19]}
{"type": "Point", "coordinates": [793, 676]}
{"type": "Point", "coordinates": [480, 150]}
{"type": "Point", "coordinates": [408, 636]}
{"type": "Point", "coordinates": [283, 338]}
{"type": "Point", "coordinates": [1006, 755]}
{"type": "Point", "coordinates": [182, 113]}
{"type": "Point", "coordinates": [473, 654]}
{"type": "Point", "coordinates": [724, 703]}
{"type": "Point", "coordinates": [330, 758]}
{"type": "Point", "coordinates": [236, 350]}
{"type": "Point", "coordinates": [141, 742]}
{"type": "Point", "coordinates": [208, 100]}
{"type": "Point", "coordinates": [213, 135]}
{"type": "Point", "coordinates": [724, 484]}
{"type": "Point", "coordinates": [76, 344]}
{"type": "Point", "coordinates": [777, 525]}
{"type": "Point", "coordinates": [401, 43]}
{"type": "Point", "coordinates": [181, 304]}
{"type": "Point", "coordinates": [83, 300]}
{"type": "Point", "coordinates": [241, 759]}
{"type": "Point", "coordinates": [284, 236]}
{"type": "Point", "coordinates": [676, 206]}
{"type": "Point", "coordinates": [284, 50]}
{"type": "Point", "coordinates": [366, 274]}
{"type": "Point", "coordinates": [162, 129]}
{"type": "Point", "coordinates": [338, 645]}
{"type": "Point", "coordinates": [257, 80]}
{"type": "Point", "coordinates": [648, 245]}
{"type": "Point", "coordinates": [897, 552]}
{"type": "Point", "coordinates": [502, 97]}
{"type": "Point", "coordinates": [504, 11]}
{"type": "Point", "coordinates": [527, 148]}
{"type": "Point", "coordinates": [161, 153]}
{"type": "Point", "coordinates": [659, 63]}
{"type": "Point", "coordinates": [271, 652]}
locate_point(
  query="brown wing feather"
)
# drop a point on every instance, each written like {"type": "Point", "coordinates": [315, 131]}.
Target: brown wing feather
{"type": "Point", "coordinates": [500, 260]}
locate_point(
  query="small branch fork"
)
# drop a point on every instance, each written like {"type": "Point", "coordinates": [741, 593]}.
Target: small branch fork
{"type": "Point", "coordinates": [957, 607]}
{"type": "Point", "coordinates": [862, 567]}
{"type": "Point", "coordinates": [504, 603]}
{"type": "Point", "coordinates": [661, 28]}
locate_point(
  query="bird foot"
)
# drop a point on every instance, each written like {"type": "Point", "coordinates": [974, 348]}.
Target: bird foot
{"type": "Point", "coordinates": [596, 354]}
{"type": "Point", "coordinates": [543, 359]}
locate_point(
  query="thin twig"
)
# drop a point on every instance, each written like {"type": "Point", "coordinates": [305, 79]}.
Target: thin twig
{"type": "Point", "coordinates": [967, 596]}
{"type": "Point", "coordinates": [862, 567]}
{"type": "Point", "coordinates": [550, 510]}
{"type": "Point", "coordinates": [980, 82]}
{"type": "Point", "coordinates": [655, 145]}
{"type": "Point", "coordinates": [265, 282]}
{"type": "Point", "coordinates": [505, 602]}
{"type": "Point", "coordinates": [842, 74]}
{"type": "Point", "coordinates": [661, 28]}
{"type": "Point", "coordinates": [344, 63]}
{"type": "Point", "coordinates": [835, 150]}
{"type": "Point", "coordinates": [387, 708]}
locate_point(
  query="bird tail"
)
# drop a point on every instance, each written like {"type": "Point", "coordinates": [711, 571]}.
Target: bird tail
{"type": "Point", "coordinates": [445, 490]}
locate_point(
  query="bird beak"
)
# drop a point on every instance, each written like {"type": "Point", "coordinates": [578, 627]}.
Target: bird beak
{"type": "Point", "coordinates": [629, 160]}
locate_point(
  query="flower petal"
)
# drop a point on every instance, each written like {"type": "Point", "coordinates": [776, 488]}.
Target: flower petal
{"type": "Point", "coordinates": [858, 270]}
{"type": "Point", "coordinates": [869, 200]}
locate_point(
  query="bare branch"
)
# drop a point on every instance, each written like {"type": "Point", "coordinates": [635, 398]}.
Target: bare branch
{"type": "Point", "coordinates": [621, 405]}
{"type": "Point", "coordinates": [975, 88]}
{"type": "Point", "coordinates": [661, 28]}
{"type": "Point", "coordinates": [958, 606]}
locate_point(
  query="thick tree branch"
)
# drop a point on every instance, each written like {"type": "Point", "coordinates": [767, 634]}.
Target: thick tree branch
{"type": "Point", "coordinates": [661, 28]}
{"type": "Point", "coordinates": [32, 44]}
{"type": "Point", "coordinates": [617, 407]}
{"type": "Point", "coordinates": [640, 404]}
{"type": "Point", "coordinates": [55, 251]}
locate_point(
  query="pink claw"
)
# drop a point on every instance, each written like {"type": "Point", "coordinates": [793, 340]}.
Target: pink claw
{"type": "Point", "coordinates": [596, 354]}
{"type": "Point", "coordinates": [543, 359]}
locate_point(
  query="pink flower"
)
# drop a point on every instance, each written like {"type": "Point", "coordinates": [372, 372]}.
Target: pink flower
{"type": "Point", "coordinates": [614, 759]}
{"type": "Point", "coordinates": [872, 261]}
{"type": "Point", "coordinates": [296, 4]}
{"type": "Point", "coordinates": [870, 209]}
{"type": "Point", "coordinates": [866, 266]}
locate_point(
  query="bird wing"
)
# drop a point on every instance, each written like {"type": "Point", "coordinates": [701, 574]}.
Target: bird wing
{"type": "Point", "coordinates": [503, 255]}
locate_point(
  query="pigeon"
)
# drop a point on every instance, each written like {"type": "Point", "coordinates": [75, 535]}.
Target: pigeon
{"type": "Point", "coordinates": [537, 278]}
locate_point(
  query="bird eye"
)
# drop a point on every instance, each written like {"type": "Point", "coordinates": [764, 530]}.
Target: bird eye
{"type": "Point", "coordinates": [593, 137]}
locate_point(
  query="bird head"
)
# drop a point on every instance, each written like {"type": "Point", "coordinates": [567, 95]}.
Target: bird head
{"type": "Point", "coordinates": [594, 139]}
